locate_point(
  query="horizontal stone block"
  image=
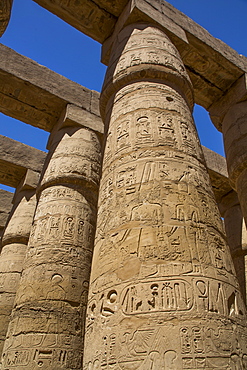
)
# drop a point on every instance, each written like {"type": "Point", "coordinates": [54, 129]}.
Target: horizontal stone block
{"type": "Point", "coordinates": [213, 66]}
{"type": "Point", "coordinates": [15, 159]}
{"type": "Point", "coordinates": [36, 95]}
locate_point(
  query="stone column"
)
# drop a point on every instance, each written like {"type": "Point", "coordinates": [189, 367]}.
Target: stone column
{"type": "Point", "coordinates": [47, 327]}
{"type": "Point", "coordinates": [163, 291]}
{"type": "Point", "coordinates": [234, 132]}
{"type": "Point", "coordinates": [236, 236]}
{"type": "Point", "coordinates": [5, 11]}
{"type": "Point", "coordinates": [14, 244]}
{"type": "Point", "coordinates": [5, 207]}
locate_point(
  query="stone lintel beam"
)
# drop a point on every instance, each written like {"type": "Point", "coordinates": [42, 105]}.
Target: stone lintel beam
{"type": "Point", "coordinates": [212, 65]}
{"type": "Point", "coordinates": [36, 95]}
{"type": "Point", "coordinates": [5, 207]}
{"type": "Point", "coordinates": [15, 159]}
{"type": "Point", "coordinates": [5, 11]}
{"type": "Point", "coordinates": [86, 16]}
{"type": "Point", "coordinates": [236, 94]}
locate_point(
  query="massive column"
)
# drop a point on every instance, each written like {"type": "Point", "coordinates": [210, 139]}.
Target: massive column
{"type": "Point", "coordinates": [47, 327]}
{"type": "Point", "coordinates": [163, 291]}
{"type": "Point", "coordinates": [14, 244]}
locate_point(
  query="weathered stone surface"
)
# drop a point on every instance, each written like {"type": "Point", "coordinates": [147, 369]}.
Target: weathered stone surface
{"type": "Point", "coordinates": [88, 17]}
{"type": "Point", "coordinates": [36, 95]}
{"type": "Point", "coordinates": [5, 11]}
{"type": "Point", "coordinates": [235, 141]}
{"type": "Point", "coordinates": [163, 291]}
{"type": "Point", "coordinates": [5, 207]}
{"type": "Point", "coordinates": [236, 94]}
{"type": "Point", "coordinates": [217, 169]}
{"type": "Point", "coordinates": [236, 236]}
{"type": "Point", "coordinates": [16, 158]}
{"type": "Point", "coordinates": [47, 326]}
{"type": "Point", "coordinates": [14, 242]}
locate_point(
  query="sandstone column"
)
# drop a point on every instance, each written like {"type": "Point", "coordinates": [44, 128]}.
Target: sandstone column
{"type": "Point", "coordinates": [47, 327]}
{"type": "Point", "coordinates": [163, 291]}
{"type": "Point", "coordinates": [234, 132]}
{"type": "Point", "coordinates": [5, 11]}
{"type": "Point", "coordinates": [236, 236]}
{"type": "Point", "coordinates": [14, 244]}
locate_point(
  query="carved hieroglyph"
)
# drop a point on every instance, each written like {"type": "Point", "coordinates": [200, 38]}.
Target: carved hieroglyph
{"type": "Point", "coordinates": [163, 291]}
{"type": "Point", "coordinates": [47, 327]}
{"type": "Point", "coordinates": [13, 252]}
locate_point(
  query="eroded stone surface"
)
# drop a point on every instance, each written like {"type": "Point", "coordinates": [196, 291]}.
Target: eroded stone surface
{"type": "Point", "coordinates": [235, 135]}
{"type": "Point", "coordinates": [47, 326]}
{"type": "Point", "coordinates": [163, 291]}
{"type": "Point", "coordinates": [13, 252]}
{"type": "Point", "coordinates": [5, 207]}
{"type": "Point", "coordinates": [236, 235]}
{"type": "Point", "coordinates": [5, 11]}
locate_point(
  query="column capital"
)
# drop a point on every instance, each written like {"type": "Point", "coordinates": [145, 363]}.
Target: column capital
{"type": "Point", "coordinates": [74, 116]}
{"type": "Point", "coordinates": [137, 11]}
{"type": "Point", "coordinates": [144, 52]}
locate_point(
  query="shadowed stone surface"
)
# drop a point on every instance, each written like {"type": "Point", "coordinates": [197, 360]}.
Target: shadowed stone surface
{"type": "Point", "coordinates": [5, 11]}
{"type": "Point", "coordinates": [14, 242]}
{"type": "Point", "coordinates": [16, 158]}
{"type": "Point", "coordinates": [5, 207]}
{"type": "Point", "coordinates": [36, 95]}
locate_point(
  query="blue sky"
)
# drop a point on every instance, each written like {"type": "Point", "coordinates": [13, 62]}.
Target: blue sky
{"type": "Point", "coordinates": [39, 35]}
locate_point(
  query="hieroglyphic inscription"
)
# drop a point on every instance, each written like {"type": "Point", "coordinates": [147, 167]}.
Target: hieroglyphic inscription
{"type": "Point", "coordinates": [48, 331]}
{"type": "Point", "coordinates": [162, 269]}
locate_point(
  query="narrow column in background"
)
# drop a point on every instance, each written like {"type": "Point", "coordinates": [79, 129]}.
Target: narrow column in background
{"type": "Point", "coordinates": [47, 327]}
{"type": "Point", "coordinates": [236, 236]}
{"type": "Point", "coordinates": [14, 244]}
{"type": "Point", "coordinates": [163, 291]}
{"type": "Point", "coordinates": [234, 132]}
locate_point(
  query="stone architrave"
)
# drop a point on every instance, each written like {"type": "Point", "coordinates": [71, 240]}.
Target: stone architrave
{"type": "Point", "coordinates": [47, 327]}
{"type": "Point", "coordinates": [14, 244]}
{"type": "Point", "coordinates": [163, 292]}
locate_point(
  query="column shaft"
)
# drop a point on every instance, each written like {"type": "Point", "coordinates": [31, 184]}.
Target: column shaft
{"type": "Point", "coordinates": [236, 235]}
{"type": "Point", "coordinates": [14, 244]}
{"type": "Point", "coordinates": [235, 141]}
{"type": "Point", "coordinates": [47, 327]}
{"type": "Point", "coordinates": [163, 293]}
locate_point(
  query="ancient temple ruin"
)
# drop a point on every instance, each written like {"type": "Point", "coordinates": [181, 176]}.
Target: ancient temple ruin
{"type": "Point", "coordinates": [113, 251]}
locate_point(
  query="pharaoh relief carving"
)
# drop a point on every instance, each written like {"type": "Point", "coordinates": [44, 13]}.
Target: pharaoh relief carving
{"type": "Point", "coordinates": [156, 291]}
